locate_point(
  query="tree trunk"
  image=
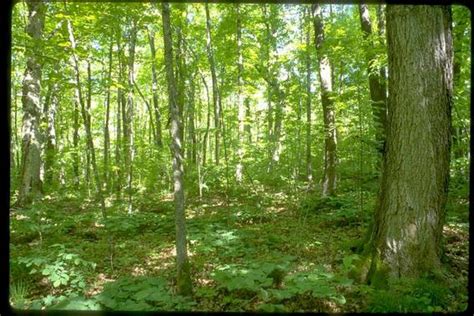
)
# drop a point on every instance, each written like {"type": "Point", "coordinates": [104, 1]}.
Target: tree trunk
{"type": "Point", "coordinates": [49, 113]}
{"type": "Point", "coordinates": [75, 142]}
{"type": "Point", "coordinates": [215, 89]}
{"type": "Point", "coordinates": [309, 167]}
{"type": "Point", "coordinates": [128, 115]}
{"type": "Point", "coordinates": [30, 182]}
{"type": "Point", "coordinates": [86, 118]}
{"type": "Point", "coordinates": [154, 76]}
{"type": "Point", "coordinates": [240, 103]}
{"type": "Point", "coordinates": [184, 284]}
{"type": "Point", "coordinates": [329, 111]}
{"type": "Point", "coordinates": [107, 119]}
{"type": "Point", "coordinates": [409, 217]}
{"type": "Point", "coordinates": [376, 83]}
{"type": "Point", "coordinates": [191, 126]}
{"type": "Point", "coordinates": [208, 124]}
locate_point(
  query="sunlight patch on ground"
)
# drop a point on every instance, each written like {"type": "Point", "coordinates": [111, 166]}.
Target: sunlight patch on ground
{"type": "Point", "coordinates": [98, 285]}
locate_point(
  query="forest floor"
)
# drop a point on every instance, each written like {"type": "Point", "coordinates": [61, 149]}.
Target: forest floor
{"type": "Point", "coordinates": [266, 250]}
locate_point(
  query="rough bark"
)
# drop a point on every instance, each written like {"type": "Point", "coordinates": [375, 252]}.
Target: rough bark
{"type": "Point", "coordinates": [30, 182]}
{"type": "Point", "coordinates": [329, 111]}
{"type": "Point", "coordinates": [376, 83]}
{"type": "Point", "coordinates": [409, 217]}
{"type": "Point", "coordinates": [184, 284]}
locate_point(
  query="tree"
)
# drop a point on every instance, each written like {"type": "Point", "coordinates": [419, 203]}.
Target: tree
{"type": "Point", "coordinates": [129, 113]}
{"type": "Point", "coordinates": [156, 108]}
{"type": "Point", "coordinates": [240, 103]}
{"type": "Point", "coordinates": [216, 100]}
{"type": "Point", "coordinates": [409, 217]}
{"type": "Point", "coordinates": [309, 167]}
{"type": "Point", "coordinates": [377, 86]}
{"type": "Point", "coordinates": [329, 112]}
{"type": "Point", "coordinates": [182, 265]}
{"type": "Point", "coordinates": [86, 117]}
{"type": "Point", "coordinates": [31, 147]}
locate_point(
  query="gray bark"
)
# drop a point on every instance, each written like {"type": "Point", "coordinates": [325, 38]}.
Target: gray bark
{"type": "Point", "coordinates": [30, 182]}
{"type": "Point", "coordinates": [409, 217]}
{"type": "Point", "coordinates": [184, 284]}
{"type": "Point", "coordinates": [329, 111]}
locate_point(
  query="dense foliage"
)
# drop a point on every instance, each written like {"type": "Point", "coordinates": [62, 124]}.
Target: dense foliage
{"type": "Point", "coordinates": [261, 236]}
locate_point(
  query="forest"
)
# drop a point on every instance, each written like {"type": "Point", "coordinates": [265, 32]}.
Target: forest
{"type": "Point", "coordinates": [263, 157]}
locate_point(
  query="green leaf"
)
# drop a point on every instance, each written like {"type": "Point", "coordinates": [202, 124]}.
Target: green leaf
{"type": "Point", "coordinates": [57, 283]}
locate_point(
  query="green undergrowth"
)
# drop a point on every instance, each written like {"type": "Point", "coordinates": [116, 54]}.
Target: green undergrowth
{"type": "Point", "coordinates": [263, 250]}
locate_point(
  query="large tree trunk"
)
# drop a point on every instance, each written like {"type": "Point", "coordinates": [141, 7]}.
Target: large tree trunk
{"type": "Point", "coordinates": [329, 111]}
{"type": "Point", "coordinates": [184, 284]}
{"type": "Point", "coordinates": [409, 217]}
{"type": "Point", "coordinates": [215, 89]}
{"type": "Point", "coordinates": [30, 182]}
{"type": "Point", "coordinates": [376, 81]}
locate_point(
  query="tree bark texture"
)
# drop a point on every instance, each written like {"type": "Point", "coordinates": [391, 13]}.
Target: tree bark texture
{"type": "Point", "coordinates": [329, 111]}
{"type": "Point", "coordinates": [409, 217]}
{"type": "Point", "coordinates": [30, 182]}
{"type": "Point", "coordinates": [184, 284]}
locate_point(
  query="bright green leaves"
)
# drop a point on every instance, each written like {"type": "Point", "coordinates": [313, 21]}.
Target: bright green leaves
{"type": "Point", "coordinates": [61, 268]}
{"type": "Point", "coordinates": [142, 294]}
